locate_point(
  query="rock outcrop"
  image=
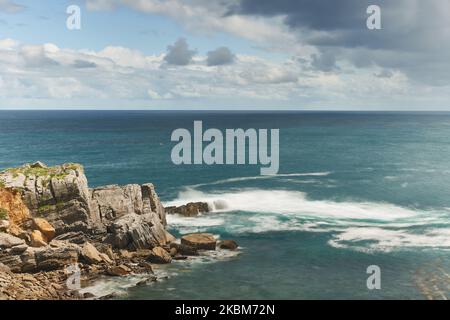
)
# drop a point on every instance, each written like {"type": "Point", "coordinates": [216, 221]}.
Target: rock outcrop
{"type": "Point", "coordinates": [191, 209]}
{"type": "Point", "coordinates": [200, 241]}
{"type": "Point", "coordinates": [59, 194]}
{"type": "Point", "coordinates": [129, 217]}
{"type": "Point", "coordinates": [50, 219]}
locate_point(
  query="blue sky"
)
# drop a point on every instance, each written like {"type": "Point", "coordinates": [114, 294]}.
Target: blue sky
{"type": "Point", "coordinates": [236, 54]}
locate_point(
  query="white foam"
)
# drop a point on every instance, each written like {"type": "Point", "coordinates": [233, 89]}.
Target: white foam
{"type": "Point", "coordinates": [286, 175]}
{"type": "Point", "coordinates": [356, 225]}
{"type": "Point", "coordinates": [292, 202]}
{"type": "Point", "coordinates": [388, 239]}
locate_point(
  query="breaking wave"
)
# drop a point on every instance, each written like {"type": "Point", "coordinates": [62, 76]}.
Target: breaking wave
{"type": "Point", "coordinates": [354, 225]}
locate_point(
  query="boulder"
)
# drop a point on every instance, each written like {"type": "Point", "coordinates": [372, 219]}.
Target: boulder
{"type": "Point", "coordinates": [134, 231]}
{"type": "Point", "coordinates": [56, 258]}
{"type": "Point", "coordinates": [228, 245]}
{"type": "Point", "coordinates": [37, 239]}
{"type": "Point", "coordinates": [8, 241]}
{"type": "Point", "coordinates": [200, 241]}
{"type": "Point", "coordinates": [159, 256]}
{"type": "Point", "coordinates": [106, 258]}
{"type": "Point", "coordinates": [184, 250]}
{"type": "Point", "coordinates": [90, 254]}
{"type": "Point", "coordinates": [118, 271]}
{"type": "Point", "coordinates": [191, 209]}
{"type": "Point", "coordinates": [45, 228]}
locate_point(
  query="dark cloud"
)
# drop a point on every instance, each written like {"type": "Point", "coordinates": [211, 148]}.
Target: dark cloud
{"type": "Point", "coordinates": [220, 56]}
{"type": "Point", "coordinates": [179, 53]}
{"type": "Point", "coordinates": [414, 29]}
{"type": "Point", "coordinates": [83, 64]}
{"type": "Point", "coordinates": [384, 74]}
{"type": "Point", "coordinates": [325, 61]}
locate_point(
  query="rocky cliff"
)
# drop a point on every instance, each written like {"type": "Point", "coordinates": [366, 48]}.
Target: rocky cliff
{"type": "Point", "coordinates": [50, 219]}
{"type": "Point", "coordinates": [48, 210]}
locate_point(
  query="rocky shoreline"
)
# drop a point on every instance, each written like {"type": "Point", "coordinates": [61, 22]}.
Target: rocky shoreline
{"type": "Point", "coordinates": [57, 235]}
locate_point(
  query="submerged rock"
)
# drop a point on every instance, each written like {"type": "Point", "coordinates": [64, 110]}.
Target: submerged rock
{"type": "Point", "coordinates": [191, 209]}
{"type": "Point", "coordinates": [228, 245]}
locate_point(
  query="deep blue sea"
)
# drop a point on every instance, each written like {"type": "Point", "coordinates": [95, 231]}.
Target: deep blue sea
{"type": "Point", "coordinates": [353, 190]}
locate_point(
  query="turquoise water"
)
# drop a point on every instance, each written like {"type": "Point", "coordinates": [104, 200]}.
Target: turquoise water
{"type": "Point", "coordinates": [354, 189]}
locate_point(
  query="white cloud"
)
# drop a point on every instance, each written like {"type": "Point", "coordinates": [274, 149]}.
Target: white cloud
{"type": "Point", "coordinates": [46, 75]}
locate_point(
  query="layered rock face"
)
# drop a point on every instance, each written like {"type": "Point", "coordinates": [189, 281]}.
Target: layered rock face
{"type": "Point", "coordinates": [59, 194]}
{"type": "Point", "coordinates": [54, 210]}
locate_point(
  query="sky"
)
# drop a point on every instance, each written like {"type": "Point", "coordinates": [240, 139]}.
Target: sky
{"type": "Point", "coordinates": [225, 54]}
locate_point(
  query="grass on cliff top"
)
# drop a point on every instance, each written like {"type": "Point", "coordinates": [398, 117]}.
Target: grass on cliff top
{"type": "Point", "coordinates": [58, 172]}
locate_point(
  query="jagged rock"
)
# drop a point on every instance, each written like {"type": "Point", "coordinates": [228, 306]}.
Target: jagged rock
{"type": "Point", "coordinates": [13, 262]}
{"type": "Point", "coordinates": [28, 258]}
{"type": "Point", "coordinates": [45, 228]}
{"type": "Point", "coordinates": [200, 241]}
{"type": "Point", "coordinates": [56, 258]}
{"type": "Point", "coordinates": [184, 250]}
{"type": "Point", "coordinates": [134, 231]}
{"type": "Point", "coordinates": [151, 202]}
{"type": "Point", "coordinates": [73, 237]}
{"type": "Point", "coordinates": [18, 249]}
{"type": "Point", "coordinates": [37, 239]}
{"type": "Point", "coordinates": [106, 258]}
{"type": "Point", "coordinates": [170, 238]}
{"type": "Point", "coordinates": [8, 241]}
{"type": "Point", "coordinates": [115, 201]}
{"type": "Point", "coordinates": [191, 209]}
{"type": "Point", "coordinates": [91, 254]}
{"type": "Point", "coordinates": [120, 270]}
{"type": "Point", "coordinates": [160, 256]}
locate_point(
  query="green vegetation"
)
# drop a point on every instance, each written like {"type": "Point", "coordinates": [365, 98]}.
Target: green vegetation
{"type": "Point", "coordinates": [2, 184]}
{"type": "Point", "coordinates": [57, 172]}
{"type": "Point", "coordinates": [46, 208]}
{"type": "Point", "coordinates": [3, 214]}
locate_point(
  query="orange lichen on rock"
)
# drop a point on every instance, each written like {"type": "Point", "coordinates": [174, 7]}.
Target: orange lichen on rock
{"type": "Point", "coordinates": [11, 203]}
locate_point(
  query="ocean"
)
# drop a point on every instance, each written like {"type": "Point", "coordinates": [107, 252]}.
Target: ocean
{"type": "Point", "coordinates": [354, 189]}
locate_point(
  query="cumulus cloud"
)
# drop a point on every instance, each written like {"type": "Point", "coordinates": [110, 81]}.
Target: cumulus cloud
{"type": "Point", "coordinates": [220, 56]}
{"type": "Point", "coordinates": [179, 53]}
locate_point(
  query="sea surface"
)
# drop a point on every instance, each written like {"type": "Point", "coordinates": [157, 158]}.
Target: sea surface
{"type": "Point", "coordinates": [353, 190]}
